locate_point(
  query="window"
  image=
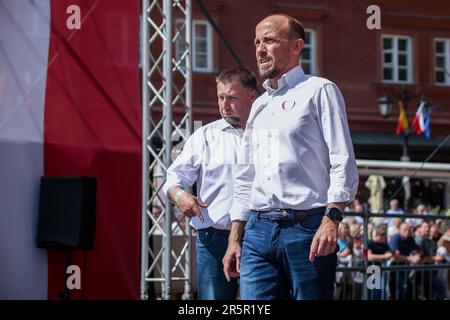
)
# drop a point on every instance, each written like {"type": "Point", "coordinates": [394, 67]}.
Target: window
{"type": "Point", "coordinates": [442, 61]}
{"type": "Point", "coordinates": [308, 58]}
{"type": "Point", "coordinates": [397, 59]}
{"type": "Point", "coordinates": [201, 45]}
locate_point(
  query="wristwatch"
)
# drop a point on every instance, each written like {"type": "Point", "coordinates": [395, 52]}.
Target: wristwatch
{"type": "Point", "coordinates": [334, 214]}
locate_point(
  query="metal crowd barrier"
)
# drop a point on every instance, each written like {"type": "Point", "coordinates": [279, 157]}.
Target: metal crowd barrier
{"type": "Point", "coordinates": [396, 282]}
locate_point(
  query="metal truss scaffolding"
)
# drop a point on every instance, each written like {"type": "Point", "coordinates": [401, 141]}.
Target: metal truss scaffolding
{"type": "Point", "coordinates": [166, 86]}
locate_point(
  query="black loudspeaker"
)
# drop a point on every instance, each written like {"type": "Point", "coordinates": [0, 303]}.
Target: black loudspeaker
{"type": "Point", "coordinates": [67, 212]}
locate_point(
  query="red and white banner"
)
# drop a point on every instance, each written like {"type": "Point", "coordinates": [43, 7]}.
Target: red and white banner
{"type": "Point", "coordinates": [70, 105]}
{"type": "Point", "coordinates": [418, 123]}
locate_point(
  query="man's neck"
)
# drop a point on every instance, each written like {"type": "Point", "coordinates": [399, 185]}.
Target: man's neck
{"type": "Point", "coordinates": [274, 81]}
{"type": "Point", "coordinates": [239, 126]}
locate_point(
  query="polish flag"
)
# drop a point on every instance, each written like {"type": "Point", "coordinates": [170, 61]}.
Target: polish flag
{"type": "Point", "coordinates": [418, 122]}
{"type": "Point", "coordinates": [70, 105]}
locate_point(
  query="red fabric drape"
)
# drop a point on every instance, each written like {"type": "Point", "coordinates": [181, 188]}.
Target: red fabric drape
{"type": "Point", "coordinates": [92, 127]}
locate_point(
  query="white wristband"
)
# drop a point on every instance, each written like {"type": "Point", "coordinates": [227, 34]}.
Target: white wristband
{"type": "Point", "coordinates": [178, 195]}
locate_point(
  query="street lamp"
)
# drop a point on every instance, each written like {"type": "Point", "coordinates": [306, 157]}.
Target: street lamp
{"type": "Point", "coordinates": [385, 106]}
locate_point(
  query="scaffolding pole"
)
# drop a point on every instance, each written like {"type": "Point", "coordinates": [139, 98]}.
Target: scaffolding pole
{"type": "Point", "coordinates": [166, 55]}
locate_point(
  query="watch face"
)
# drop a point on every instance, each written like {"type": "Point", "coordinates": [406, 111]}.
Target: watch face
{"type": "Point", "coordinates": [334, 214]}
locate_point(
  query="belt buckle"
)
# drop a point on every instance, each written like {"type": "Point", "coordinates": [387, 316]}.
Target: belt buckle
{"type": "Point", "coordinates": [301, 216]}
{"type": "Point", "coordinates": [284, 215]}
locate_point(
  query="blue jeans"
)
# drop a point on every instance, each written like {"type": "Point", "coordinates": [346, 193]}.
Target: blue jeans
{"type": "Point", "coordinates": [275, 261]}
{"type": "Point", "coordinates": [211, 282]}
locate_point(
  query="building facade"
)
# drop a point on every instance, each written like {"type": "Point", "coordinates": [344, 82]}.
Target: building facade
{"type": "Point", "coordinates": [407, 59]}
{"type": "Point", "coordinates": [409, 56]}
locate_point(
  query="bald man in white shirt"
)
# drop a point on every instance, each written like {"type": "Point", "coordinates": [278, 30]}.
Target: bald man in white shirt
{"type": "Point", "coordinates": [296, 173]}
{"type": "Point", "coordinates": [209, 158]}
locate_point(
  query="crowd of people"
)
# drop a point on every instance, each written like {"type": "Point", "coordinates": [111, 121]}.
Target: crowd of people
{"type": "Point", "coordinates": [395, 241]}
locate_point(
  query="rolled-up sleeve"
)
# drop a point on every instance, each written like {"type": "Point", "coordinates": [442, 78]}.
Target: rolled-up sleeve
{"type": "Point", "coordinates": [243, 180]}
{"type": "Point", "coordinates": [185, 170]}
{"type": "Point", "coordinates": [343, 170]}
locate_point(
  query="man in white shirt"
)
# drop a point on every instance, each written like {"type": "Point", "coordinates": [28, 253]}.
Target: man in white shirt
{"type": "Point", "coordinates": [209, 158]}
{"type": "Point", "coordinates": [394, 208]}
{"type": "Point", "coordinates": [296, 172]}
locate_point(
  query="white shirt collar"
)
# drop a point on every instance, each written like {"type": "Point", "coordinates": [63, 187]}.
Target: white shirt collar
{"type": "Point", "coordinates": [290, 78]}
{"type": "Point", "coordinates": [224, 125]}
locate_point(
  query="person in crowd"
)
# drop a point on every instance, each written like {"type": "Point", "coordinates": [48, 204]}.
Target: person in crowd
{"type": "Point", "coordinates": [435, 233]}
{"type": "Point", "coordinates": [379, 253]}
{"type": "Point", "coordinates": [394, 228]}
{"type": "Point", "coordinates": [345, 256]}
{"type": "Point", "coordinates": [394, 208]}
{"type": "Point", "coordinates": [406, 252]}
{"type": "Point", "coordinates": [421, 210]}
{"type": "Point", "coordinates": [357, 261]}
{"type": "Point", "coordinates": [428, 278]}
{"type": "Point", "coordinates": [355, 230]}
{"type": "Point", "coordinates": [444, 251]}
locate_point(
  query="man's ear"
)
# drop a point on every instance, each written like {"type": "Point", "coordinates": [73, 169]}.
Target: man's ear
{"type": "Point", "coordinates": [298, 46]}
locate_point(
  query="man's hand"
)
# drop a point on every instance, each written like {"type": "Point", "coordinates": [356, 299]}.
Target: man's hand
{"type": "Point", "coordinates": [232, 258]}
{"type": "Point", "coordinates": [325, 239]}
{"type": "Point", "coordinates": [398, 257]}
{"type": "Point", "coordinates": [388, 255]}
{"type": "Point", "coordinates": [188, 204]}
{"type": "Point", "coordinates": [414, 259]}
{"type": "Point", "coordinates": [232, 261]}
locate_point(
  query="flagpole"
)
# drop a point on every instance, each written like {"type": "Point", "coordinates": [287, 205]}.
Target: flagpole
{"type": "Point", "coordinates": [405, 179]}
{"type": "Point", "coordinates": [405, 156]}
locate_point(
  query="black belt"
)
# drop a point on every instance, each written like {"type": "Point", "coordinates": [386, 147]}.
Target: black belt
{"type": "Point", "coordinates": [214, 230]}
{"type": "Point", "coordinates": [288, 214]}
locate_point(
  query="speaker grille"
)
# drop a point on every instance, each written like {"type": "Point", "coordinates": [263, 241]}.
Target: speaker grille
{"type": "Point", "coordinates": [67, 212]}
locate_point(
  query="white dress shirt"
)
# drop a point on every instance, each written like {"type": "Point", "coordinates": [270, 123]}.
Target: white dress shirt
{"type": "Point", "coordinates": [209, 158]}
{"type": "Point", "coordinates": [296, 152]}
{"type": "Point", "coordinates": [390, 221]}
